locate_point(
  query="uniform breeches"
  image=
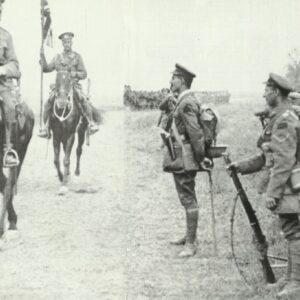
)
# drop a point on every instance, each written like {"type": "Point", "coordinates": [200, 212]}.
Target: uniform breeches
{"type": "Point", "coordinates": [47, 108]}
{"type": "Point", "coordinates": [9, 105]}
{"type": "Point", "coordinates": [85, 106]}
{"type": "Point", "coordinates": [290, 225]}
{"type": "Point", "coordinates": [185, 186]}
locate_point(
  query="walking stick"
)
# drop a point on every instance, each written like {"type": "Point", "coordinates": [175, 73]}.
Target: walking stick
{"type": "Point", "coordinates": [213, 218]}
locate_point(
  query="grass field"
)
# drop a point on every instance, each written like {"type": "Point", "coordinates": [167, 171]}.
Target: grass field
{"type": "Point", "coordinates": [108, 238]}
{"type": "Point", "coordinates": [156, 217]}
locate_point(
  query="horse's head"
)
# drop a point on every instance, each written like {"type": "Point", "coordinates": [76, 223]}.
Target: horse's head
{"type": "Point", "coordinates": [64, 89]}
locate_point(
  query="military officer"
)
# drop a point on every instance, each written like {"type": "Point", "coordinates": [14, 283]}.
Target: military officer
{"type": "Point", "coordinates": [277, 157]}
{"type": "Point", "coordinates": [70, 61]}
{"type": "Point", "coordinates": [185, 119]}
{"type": "Point", "coordinates": [9, 75]}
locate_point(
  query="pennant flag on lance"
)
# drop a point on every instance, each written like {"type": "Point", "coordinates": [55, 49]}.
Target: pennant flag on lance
{"type": "Point", "coordinates": [46, 23]}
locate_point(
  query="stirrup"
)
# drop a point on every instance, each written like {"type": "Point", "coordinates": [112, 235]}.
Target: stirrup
{"type": "Point", "coordinates": [13, 153]}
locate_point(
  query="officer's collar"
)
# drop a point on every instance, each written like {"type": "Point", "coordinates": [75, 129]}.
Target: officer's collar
{"type": "Point", "coordinates": [182, 94]}
{"type": "Point", "coordinates": [68, 53]}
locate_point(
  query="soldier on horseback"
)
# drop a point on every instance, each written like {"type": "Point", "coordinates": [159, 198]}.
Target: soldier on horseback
{"type": "Point", "coordinates": [72, 62]}
{"type": "Point", "coordinates": [9, 91]}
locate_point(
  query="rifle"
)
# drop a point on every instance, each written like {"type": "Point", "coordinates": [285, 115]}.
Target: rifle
{"type": "Point", "coordinates": [262, 115]}
{"type": "Point", "coordinates": [261, 243]}
{"type": "Point", "coordinates": [167, 139]}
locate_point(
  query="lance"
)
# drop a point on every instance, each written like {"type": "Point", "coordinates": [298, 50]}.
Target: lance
{"type": "Point", "coordinates": [42, 73]}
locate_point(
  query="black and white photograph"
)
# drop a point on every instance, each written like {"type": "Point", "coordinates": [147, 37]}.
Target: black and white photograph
{"type": "Point", "coordinates": [149, 149]}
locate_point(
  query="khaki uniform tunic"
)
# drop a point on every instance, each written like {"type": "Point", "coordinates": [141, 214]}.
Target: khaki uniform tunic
{"type": "Point", "coordinates": [186, 120]}
{"type": "Point", "coordinates": [8, 86]}
{"type": "Point", "coordinates": [277, 159]}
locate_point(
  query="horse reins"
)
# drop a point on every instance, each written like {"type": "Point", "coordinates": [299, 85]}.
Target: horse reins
{"type": "Point", "coordinates": [61, 117]}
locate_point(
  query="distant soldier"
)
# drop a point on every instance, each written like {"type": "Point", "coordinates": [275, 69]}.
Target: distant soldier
{"type": "Point", "coordinates": [9, 90]}
{"type": "Point", "coordinates": [186, 128]}
{"type": "Point", "coordinates": [72, 62]}
{"type": "Point", "coordinates": [278, 158]}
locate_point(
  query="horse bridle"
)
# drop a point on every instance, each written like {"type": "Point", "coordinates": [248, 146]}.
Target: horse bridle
{"type": "Point", "coordinates": [70, 105]}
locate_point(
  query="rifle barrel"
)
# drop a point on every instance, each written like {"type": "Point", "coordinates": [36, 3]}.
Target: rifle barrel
{"type": "Point", "coordinates": [261, 239]}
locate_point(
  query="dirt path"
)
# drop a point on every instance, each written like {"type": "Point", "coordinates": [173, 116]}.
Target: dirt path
{"type": "Point", "coordinates": [73, 247]}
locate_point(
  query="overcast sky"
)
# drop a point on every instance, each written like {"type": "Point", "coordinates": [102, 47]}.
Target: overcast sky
{"type": "Point", "coordinates": [229, 44]}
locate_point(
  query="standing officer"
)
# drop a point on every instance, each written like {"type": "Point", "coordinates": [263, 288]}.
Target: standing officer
{"type": "Point", "coordinates": [9, 90]}
{"type": "Point", "coordinates": [185, 118]}
{"type": "Point", "coordinates": [278, 150]}
{"type": "Point", "coordinates": [72, 62]}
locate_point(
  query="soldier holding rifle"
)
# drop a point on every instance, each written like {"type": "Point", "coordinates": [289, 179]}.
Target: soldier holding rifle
{"type": "Point", "coordinates": [278, 158]}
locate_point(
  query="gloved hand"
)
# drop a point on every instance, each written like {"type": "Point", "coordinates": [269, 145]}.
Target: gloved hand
{"type": "Point", "coordinates": [271, 203]}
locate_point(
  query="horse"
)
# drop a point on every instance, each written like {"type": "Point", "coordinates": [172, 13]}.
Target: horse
{"type": "Point", "coordinates": [65, 121]}
{"type": "Point", "coordinates": [21, 138]}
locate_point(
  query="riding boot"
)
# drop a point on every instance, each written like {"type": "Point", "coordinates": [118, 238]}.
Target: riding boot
{"type": "Point", "coordinates": [93, 127]}
{"type": "Point", "coordinates": [45, 132]}
{"type": "Point", "coordinates": [87, 112]}
{"type": "Point", "coordinates": [179, 242]}
{"type": "Point", "coordinates": [292, 288]}
{"type": "Point", "coordinates": [182, 241]}
{"type": "Point", "coordinates": [11, 158]}
{"type": "Point", "coordinates": [192, 223]}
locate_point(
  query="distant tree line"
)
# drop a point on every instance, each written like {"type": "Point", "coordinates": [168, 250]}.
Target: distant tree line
{"type": "Point", "coordinates": [143, 100]}
{"type": "Point", "coordinates": [293, 69]}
